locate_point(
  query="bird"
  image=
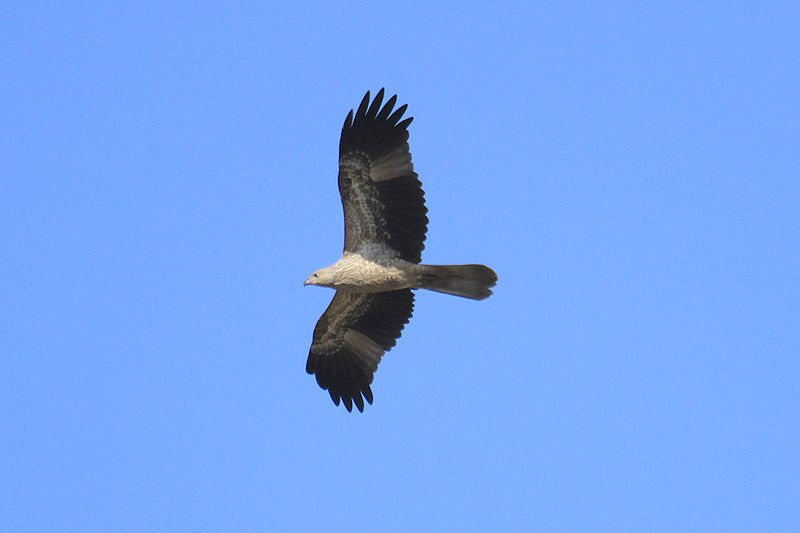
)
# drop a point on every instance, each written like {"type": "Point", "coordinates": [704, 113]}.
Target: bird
{"type": "Point", "coordinates": [385, 225]}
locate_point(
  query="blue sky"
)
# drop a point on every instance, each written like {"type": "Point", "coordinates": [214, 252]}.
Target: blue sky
{"type": "Point", "coordinates": [631, 170]}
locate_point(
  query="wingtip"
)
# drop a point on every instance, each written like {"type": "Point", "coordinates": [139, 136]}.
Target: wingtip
{"type": "Point", "coordinates": [387, 108]}
{"type": "Point", "coordinates": [348, 122]}
{"type": "Point", "coordinates": [397, 114]}
{"type": "Point", "coordinates": [405, 123]}
{"type": "Point", "coordinates": [359, 400]}
{"type": "Point", "coordinates": [348, 403]}
{"type": "Point", "coordinates": [372, 112]}
{"type": "Point", "coordinates": [367, 392]}
{"type": "Point", "coordinates": [362, 108]}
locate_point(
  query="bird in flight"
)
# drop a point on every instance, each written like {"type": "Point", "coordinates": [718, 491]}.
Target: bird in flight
{"type": "Point", "coordinates": [384, 230]}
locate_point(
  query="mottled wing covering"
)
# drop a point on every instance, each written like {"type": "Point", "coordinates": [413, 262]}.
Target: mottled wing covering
{"type": "Point", "coordinates": [350, 339]}
{"type": "Point", "coordinates": [381, 194]}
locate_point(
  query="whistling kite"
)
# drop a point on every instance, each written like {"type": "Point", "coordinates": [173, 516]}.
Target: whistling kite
{"type": "Point", "coordinates": [384, 230]}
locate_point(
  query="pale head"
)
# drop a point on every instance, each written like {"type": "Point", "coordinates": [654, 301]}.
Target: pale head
{"type": "Point", "coordinates": [322, 277]}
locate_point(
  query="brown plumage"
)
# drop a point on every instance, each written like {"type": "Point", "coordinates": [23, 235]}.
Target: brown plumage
{"type": "Point", "coordinates": [385, 224]}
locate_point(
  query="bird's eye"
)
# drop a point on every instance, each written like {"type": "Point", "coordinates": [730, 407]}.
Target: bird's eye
{"type": "Point", "coordinates": [315, 274]}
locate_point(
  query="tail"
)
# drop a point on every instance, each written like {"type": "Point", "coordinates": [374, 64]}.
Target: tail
{"type": "Point", "coordinates": [468, 281]}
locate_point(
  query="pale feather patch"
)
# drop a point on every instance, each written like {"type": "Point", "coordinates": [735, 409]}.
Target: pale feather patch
{"type": "Point", "coordinates": [367, 350]}
{"type": "Point", "coordinates": [394, 164]}
{"type": "Point", "coordinates": [373, 251]}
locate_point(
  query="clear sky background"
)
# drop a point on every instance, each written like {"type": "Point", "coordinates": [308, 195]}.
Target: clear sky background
{"type": "Point", "coordinates": [168, 180]}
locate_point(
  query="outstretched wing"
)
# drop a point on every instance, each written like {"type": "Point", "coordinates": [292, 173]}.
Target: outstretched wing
{"type": "Point", "coordinates": [350, 339]}
{"type": "Point", "coordinates": [381, 194]}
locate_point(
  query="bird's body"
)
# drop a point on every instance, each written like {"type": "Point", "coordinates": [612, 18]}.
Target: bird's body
{"type": "Point", "coordinates": [371, 269]}
{"type": "Point", "coordinates": [385, 226]}
{"type": "Point", "coordinates": [373, 273]}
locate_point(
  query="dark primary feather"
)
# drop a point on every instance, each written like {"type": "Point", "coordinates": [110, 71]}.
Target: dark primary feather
{"type": "Point", "coordinates": [350, 338]}
{"type": "Point", "coordinates": [381, 194]}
